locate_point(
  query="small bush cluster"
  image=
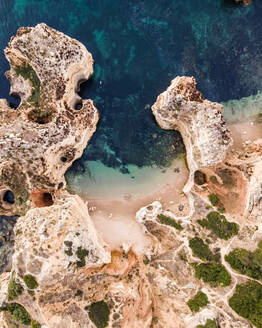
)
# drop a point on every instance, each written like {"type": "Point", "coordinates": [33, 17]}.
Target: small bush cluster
{"type": "Point", "coordinates": [35, 324]}
{"type": "Point", "coordinates": [14, 289]}
{"type": "Point", "coordinates": [213, 273]}
{"type": "Point", "coordinates": [99, 314]}
{"type": "Point", "coordinates": [30, 281]}
{"type": "Point", "coordinates": [197, 302]}
{"type": "Point", "coordinates": [18, 313]}
{"type": "Point", "coordinates": [219, 225]}
{"type": "Point", "coordinates": [68, 245]}
{"type": "Point", "coordinates": [27, 72]}
{"type": "Point", "coordinates": [202, 250]}
{"type": "Point", "coordinates": [247, 302]}
{"type": "Point", "coordinates": [81, 253]}
{"type": "Point", "coordinates": [214, 199]}
{"type": "Point", "coordinates": [246, 262]}
{"type": "Point", "coordinates": [170, 222]}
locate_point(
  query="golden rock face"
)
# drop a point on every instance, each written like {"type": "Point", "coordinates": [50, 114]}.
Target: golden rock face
{"type": "Point", "coordinates": [57, 247]}
{"type": "Point", "coordinates": [47, 132]}
{"type": "Point", "coordinates": [63, 273]}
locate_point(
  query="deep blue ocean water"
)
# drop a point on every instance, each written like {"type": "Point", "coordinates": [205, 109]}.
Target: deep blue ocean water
{"type": "Point", "coordinates": [138, 47]}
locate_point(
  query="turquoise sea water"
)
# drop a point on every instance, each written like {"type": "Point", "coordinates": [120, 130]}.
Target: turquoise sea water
{"type": "Point", "coordinates": [138, 47]}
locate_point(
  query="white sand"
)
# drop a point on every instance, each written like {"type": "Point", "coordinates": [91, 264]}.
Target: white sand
{"type": "Point", "coordinates": [114, 198]}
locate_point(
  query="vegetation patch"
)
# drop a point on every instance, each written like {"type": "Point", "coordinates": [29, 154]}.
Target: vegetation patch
{"type": "Point", "coordinates": [246, 262]}
{"type": "Point", "coordinates": [202, 250]}
{"type": "Point", "coordinates": [28, 73]}
{"type": "Point", "coordinates": [99, 314]}
{"type": "Point", "coordinates": [213, 273]}
{"type": "Point", "coordinates": [18, 313]}
{"type": "Point", "coordinates": [214, 199]}
{"type": "Point", "coordinates": [247, 302]}
{"type": "Point", "coordinates": [81, 253]}
{"type": "Point", "coordinates": [209, 324]}
{"type": "Point", "coordinates": [170, 222]}
{"type": "Point", "coordinates": [35, 324]}
{"type": "Point", "coordinates": [30, 281]}
{"type": "Point", "coordinates": [219, 225]}
{"type": "Point", "coordinates": [221, 209]}
{"type": "Point", "coordinates": [14, 289]}
{"type": "Point", "coordinates": [196, 303]}
{"type": "Point", "coordinates": [68, 244]}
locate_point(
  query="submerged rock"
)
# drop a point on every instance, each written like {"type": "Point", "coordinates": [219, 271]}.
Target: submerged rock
{"type": "Point", "coordinates": [243, 2]}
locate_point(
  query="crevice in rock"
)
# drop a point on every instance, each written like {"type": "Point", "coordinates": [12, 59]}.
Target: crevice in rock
{"type": "Point", "coordinates": [200, 178]}
{"type": "Point", "coordinates": [41, 198]}
{"type": "Point", "coordinates": [7, 198]}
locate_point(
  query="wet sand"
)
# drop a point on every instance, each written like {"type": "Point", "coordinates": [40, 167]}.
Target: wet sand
{"type": "Point", "coordinates": [114, 217]}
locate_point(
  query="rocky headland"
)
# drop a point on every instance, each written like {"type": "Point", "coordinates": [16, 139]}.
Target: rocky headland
{"type": "Point", "coordinates": [63, 274]}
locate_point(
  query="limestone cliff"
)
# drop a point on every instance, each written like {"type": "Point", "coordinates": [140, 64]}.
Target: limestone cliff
{"type": "Point", "coordinates": [47, 132]}
{"type": "Point", "coordinates": [63, 274]}
{"type": "Point", "coordinates": [200, 122]}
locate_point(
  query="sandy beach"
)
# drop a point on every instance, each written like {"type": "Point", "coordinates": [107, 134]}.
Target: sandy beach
{"type": "Point", "coordinates": [114, 214]}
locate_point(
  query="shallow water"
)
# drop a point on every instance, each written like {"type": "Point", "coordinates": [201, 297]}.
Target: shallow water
{"type": "Point", "coordinates": [138, 47]}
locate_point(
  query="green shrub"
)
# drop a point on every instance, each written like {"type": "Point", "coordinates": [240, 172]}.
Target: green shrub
{"type": "Point", "coordinates": [28, 73]}
{"type": "Point", "coordinates": [221, 209]}
{"type": "Point", "coordinates": [68, 245]}
{"type": "Point", "coordinates": [247, 302]}
{"type": "Point", "coordinates": [14, 289]}
{"type": "Point", "coordinates": [209, 324]}
{"type": "Point", "coordinates": [170, 222]}
{"type": "Point", "coordinates": [35, 324]}
{"type": "Point", "coordinates": [202, 250]}
{"type": "Point", "coordinates": [81, 253]}
{"type": "Point", "coordinates": [213, 273]}
{"type": "Point", "coordinates": [19, 313]}
{"type": "Point", "coordinates": [99, 314]}
{"type": "Point", "coordinates": [214, 199]}
{"type": "Point", "coordinates": [197, 302]}
{"type": "Point", "coordinates": [219, 225]}
{"type": "Point", "coordinates": [246, 262]}
{"type": "Point", "coordinates": [30, 281]}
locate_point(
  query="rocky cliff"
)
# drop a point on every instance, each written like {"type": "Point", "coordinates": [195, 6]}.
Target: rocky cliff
{"type": "Point", "coordinates": [48, 131]}
{"type": "Point", "coordinates": [63, 274]}
{"type": "Point", "coordinates": [200, 122]}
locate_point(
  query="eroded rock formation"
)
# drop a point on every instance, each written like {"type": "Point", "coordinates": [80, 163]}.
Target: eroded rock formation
{"type": "Point", "coordinates": [41, 139]}
{"type": "Point", "coordinates": [200, 122]}
{"type": "Point", "coordinates": [63, 274]}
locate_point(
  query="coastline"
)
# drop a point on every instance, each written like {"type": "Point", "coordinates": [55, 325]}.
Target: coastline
{"type": "Point", "coordinates": [142, 254]}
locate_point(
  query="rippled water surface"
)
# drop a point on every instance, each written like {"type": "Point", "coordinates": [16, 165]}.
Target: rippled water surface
{"type": "Point", "coordinates": [138, 47]}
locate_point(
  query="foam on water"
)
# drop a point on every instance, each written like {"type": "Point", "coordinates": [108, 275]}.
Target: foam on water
{"type": "Point", "coordinates": [241, 109]}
